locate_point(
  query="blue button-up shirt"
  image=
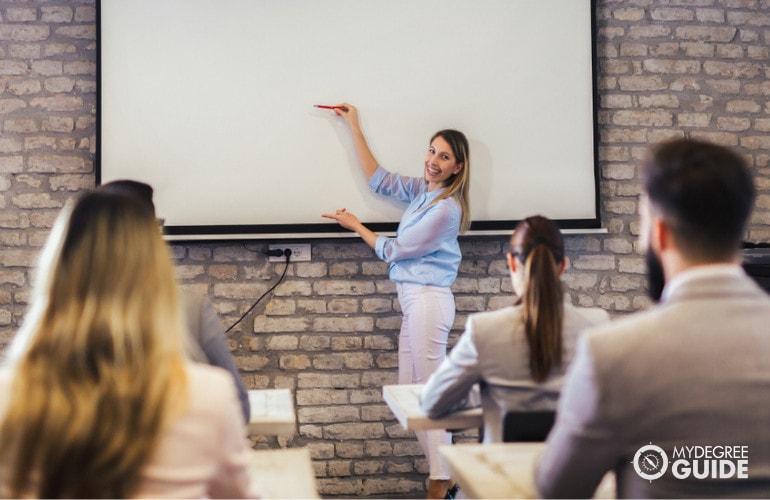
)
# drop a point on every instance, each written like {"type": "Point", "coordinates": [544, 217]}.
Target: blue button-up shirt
{"type": "Point", "coordinates": [425, 250]}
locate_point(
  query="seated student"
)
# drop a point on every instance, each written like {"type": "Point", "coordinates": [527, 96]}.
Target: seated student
{"type": "Point", "coordinates": [97, 398]}
{"type": "Point", "coordinates": [519, 353]}
{"type": "Point", "coordinates": [202, 320]}
{"type": "Point", "coordinates": [675, 399]}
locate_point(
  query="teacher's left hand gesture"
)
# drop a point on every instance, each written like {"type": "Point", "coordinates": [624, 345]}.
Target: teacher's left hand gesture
{"type": "Point", "coordinates": [345, 219]}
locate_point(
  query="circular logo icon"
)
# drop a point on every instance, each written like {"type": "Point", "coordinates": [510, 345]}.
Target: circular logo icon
{"type": "Point", "coordinates": [650, 462]}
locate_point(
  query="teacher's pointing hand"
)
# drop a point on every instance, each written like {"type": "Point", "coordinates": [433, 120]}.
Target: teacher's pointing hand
{"type": "Point", "coordinates": [345, 219]}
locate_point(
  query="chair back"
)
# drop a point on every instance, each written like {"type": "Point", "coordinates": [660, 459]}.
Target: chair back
{"type": "Point", "coordinates": [527, 425]}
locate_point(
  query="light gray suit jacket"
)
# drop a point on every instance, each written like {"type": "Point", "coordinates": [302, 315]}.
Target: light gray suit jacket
{"type": "Point", "coordinates": [494, 350]}
{"type": "Point", "coordinates": [210, 339]}
{"type": "Point", "coordinates": [692, 371]}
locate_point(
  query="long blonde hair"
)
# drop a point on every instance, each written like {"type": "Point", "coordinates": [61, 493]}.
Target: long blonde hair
{"type": "Point", "coordinates": [458, 186]}
{"type": "Point", "coordinates": [98, 367]}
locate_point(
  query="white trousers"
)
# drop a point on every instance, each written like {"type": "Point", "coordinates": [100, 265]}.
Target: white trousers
{"type": "Point", "coordinates": [429, 312]}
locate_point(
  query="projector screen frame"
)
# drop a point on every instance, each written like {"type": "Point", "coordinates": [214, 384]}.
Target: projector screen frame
{"type": "Point", "coordinates": [333, 230]}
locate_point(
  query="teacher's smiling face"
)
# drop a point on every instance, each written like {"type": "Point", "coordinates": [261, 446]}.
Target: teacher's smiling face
{"type": "Point", "coordinates": [440, 164]}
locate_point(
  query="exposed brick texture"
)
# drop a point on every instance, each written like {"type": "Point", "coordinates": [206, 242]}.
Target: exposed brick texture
{"type": "Point", "coordinates": [329, 331]}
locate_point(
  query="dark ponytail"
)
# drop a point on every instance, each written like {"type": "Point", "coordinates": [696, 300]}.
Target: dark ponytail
{"type": "Point", "coordinates": [540, 248]}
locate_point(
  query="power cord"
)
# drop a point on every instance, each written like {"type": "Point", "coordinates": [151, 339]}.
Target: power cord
{"type": "Point", "coordinates": [269, 253]}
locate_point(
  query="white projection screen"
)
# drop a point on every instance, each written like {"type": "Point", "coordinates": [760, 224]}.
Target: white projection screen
{"type": "Point", "coordinates": [212, 103]}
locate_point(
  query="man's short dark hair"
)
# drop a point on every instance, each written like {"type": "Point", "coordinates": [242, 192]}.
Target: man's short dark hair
{"type": "Point", "coordinates": [704, 192]}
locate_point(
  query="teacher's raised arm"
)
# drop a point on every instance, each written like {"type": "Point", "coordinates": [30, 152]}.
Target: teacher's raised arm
{"type": "Point", "coordinates": [363, 153]}
{"type": "Point", "coordinates": [424, 258]}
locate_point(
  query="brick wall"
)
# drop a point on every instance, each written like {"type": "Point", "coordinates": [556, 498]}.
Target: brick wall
{"type": "Point", "coordinates": [329, 330]}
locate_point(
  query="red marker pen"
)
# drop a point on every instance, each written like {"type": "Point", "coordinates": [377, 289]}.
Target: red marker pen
{"type": "Point", "coordinates": [324, 106]}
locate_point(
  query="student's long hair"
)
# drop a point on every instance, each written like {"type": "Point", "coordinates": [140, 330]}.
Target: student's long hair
{"type": "Point", "coordinates": [537, 244]}
{"type": "Point", "coordinates": [458, 186]}
{"type": "Point", "coordinates": [97, 369]}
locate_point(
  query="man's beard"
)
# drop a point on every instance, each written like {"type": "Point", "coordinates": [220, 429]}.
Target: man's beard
{"type": "Point", "coordinates": [656, 280]}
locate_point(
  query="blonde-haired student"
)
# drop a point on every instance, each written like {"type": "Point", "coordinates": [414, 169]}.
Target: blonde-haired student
{"type": "Point", "coordinates": [97, 396]}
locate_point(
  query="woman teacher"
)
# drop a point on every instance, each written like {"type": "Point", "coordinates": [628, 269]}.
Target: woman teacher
{"type": "Point", "coordinates": [424, 258]}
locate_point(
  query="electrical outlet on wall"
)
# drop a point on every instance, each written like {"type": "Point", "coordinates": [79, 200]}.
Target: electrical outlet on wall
{"type": "Point", "coordinates": [300, 252]}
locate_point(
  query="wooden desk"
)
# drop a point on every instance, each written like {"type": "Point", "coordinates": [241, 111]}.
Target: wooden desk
{"type": "Point", "coordinates": [404, 402]}
{"type": "Point", "coordinates": [272, 412]}
{"type": "Point", "coordinates": [284, 473]}
{"type": "Point", "coordinates": [502, 470]}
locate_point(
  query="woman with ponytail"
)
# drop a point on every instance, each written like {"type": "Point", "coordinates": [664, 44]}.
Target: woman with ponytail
{"type": "Point", "coordinates": [518, 354]}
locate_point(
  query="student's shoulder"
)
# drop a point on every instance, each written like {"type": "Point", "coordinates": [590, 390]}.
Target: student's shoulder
{"type": "Point", "coordinates": [208, 376]}
{"type": "Point", "coordinates": [192, 300]}
{"type": "Point", "coordinates": [211, 391]}
{"type": "Point", "coordinates": [589, 315]}
{"type": "Point", "coordinates": [494, 315]}
{"type": "Point", "coordinates": [492, 321]}
{"type": "Point", "coordinates": [622, 337]}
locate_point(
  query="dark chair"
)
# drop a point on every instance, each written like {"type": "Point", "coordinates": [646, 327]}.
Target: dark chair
{"type": "Point", "coordinates": [527, 425]}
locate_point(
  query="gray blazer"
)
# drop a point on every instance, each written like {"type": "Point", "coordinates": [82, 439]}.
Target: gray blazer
{"type": "Point", "coordinates": [211, 341]}
{"type": "Point", "coordinates": [693, 371]}
{"type": "Point", "coordinates": [493, 350]}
